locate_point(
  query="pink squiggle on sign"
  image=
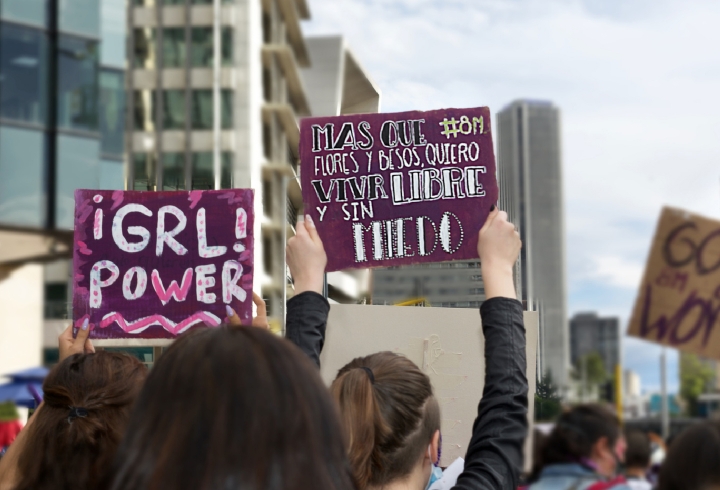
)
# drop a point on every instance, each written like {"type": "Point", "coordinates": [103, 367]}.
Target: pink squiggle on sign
{"type": "Point", "coordinates": [83, 249]}
{"type": "Point", "coordinates": [84, 210]}
{"type": "Point", "coordinates": [117, 198]}
{"type": "Point", "coordinates": [194, 198]}
{"type": "Point", "coordinates": [141, 324]}
{"type": "Point", "coordinates": [231, 197]}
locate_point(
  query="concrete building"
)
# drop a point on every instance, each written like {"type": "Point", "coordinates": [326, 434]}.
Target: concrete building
{"type": "Point", "coordinates": [530, 180]}
{"type": "Point", "coordinates": [632, 383]}
{"type": "Point", "coordinates": [61, 127]}
{"type": "Point", "coordinates": [591, 333]}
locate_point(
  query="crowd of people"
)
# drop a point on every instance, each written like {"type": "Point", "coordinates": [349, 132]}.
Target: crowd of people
{"type": "Point", "coordinates": [237, 407]}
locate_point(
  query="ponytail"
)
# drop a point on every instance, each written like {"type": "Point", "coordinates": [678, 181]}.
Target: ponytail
{"type": "Point", "coordinates": [389, 415]}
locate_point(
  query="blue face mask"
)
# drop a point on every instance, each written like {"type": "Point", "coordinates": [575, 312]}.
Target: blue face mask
{"type": "Point", "coordinates": [435, 475]}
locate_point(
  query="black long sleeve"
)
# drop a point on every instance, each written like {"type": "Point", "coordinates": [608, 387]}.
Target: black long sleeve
{"type": "Point", "coordinates": [305, 323]}
{"type": "Point", "coordinates": [494, 457]}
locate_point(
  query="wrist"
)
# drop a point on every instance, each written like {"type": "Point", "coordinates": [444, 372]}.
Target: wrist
{"type": "Point", "coordinates": [498, 281]}
{"type": "Point", "coordinates": [315, 285]}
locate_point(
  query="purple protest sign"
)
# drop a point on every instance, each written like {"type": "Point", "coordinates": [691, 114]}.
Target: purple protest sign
{"type": "Point", "coordinates": [396, 189]}
{"type": "Point", "coordinates": [154, 264]}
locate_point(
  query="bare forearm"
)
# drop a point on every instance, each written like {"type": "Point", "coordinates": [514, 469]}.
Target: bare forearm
{"type": "Point", "coordinates": [498, 280]}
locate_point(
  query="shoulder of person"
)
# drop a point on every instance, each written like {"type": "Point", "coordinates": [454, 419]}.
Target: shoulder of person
{"type": "Point", "coordinates": [618, 483]}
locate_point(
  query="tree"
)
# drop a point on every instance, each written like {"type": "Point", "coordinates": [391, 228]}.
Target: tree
{"type": "Point", "coordinates": [590, 368]}
{"type": "Point", "coordinates": [547, 400]}
{"type": "Point", "coordinates": [695, 376]}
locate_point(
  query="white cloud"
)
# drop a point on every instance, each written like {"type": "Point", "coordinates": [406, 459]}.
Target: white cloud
{"type": "Point", "coordinates": [618, 271]}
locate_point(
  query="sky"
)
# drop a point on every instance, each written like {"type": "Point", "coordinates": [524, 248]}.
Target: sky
{"type": "Point", "coordinates": [638, 86]}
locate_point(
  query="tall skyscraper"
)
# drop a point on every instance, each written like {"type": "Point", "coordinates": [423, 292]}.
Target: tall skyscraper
{"type": "Point", "coordinates": [530, 179]}
{"type": "Point", "coordinates": [590, 333]}
{"type": "Point", "coordinates": [62, 126]}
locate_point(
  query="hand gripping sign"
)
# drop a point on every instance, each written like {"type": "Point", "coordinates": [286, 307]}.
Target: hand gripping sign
{"type": "Point", "coordinates": [403, 188]}
{"type": "Point", "coordinates": [154, 264]}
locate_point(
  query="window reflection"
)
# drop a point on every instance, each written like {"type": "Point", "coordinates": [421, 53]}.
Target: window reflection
{"type": "Point", "coordinates": [78, 167]}
{"type": "Point", "coordinates": [143, 110]}
{"type": "Point", "coordinates": [144, 44]}
{"type": "Point", "coordinates": [77, 83]}
{"type": "Point", "coordinates": [174, 109]}
{"type": "Point", "coordinates": [202, 109]}
{"type": "Point", "coordinates": [23, 74]}
{"type": "Point", "coordinates": [112, 111]}
{"type": "Point", "coordinates": [144, 171]}
{"type": "Point", "coordinates": [25, 11]}
{"type": "Point", "coordinates": [202, 47]}
{"type": "Point", "coordinates": [22, 163]}
{"type": "Point", "coordinates": [202, 170]}
{"type": "Point", "coordinates": [112, 176]}
{"type": "Point", "coordinates": [174, 51]}
{"type": "Point", "coordinates": [173, 171]}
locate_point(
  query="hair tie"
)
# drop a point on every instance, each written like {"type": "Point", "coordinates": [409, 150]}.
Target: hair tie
{"type": "Point", "coordinates": [369, 373]}
{"type": "Point", "coordinates": [76, 412]}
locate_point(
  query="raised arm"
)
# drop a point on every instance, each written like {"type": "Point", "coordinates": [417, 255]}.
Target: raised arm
{"type": "Point", "coordinates": [495, 455]}
{"type": "Point", "coordinates": [308, 310]}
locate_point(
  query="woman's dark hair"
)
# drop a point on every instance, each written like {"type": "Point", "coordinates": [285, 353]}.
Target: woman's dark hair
{"type": "Point", "coordinates": [575, 433]}
{"type": "Point", "coordinates": [233, 407]}
{"type": "Point", "coordinates": [64, 451]}
{"type": "Point", "coordinates": [389, 413]}
{"type": "Point", "coordinates": [638, 452]}
{"type": "Point", "coordinates": [692, 460]}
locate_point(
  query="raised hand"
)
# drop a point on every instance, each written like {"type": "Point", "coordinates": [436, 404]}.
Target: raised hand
{"type": "Point", "coordinates": [498, 248]}
{"type": "Point", "coordinates": [67, 345]}
{"type": "Point", "coordinates": [306, 257]}
{"type": "Point", "coordinates": [260, 320]}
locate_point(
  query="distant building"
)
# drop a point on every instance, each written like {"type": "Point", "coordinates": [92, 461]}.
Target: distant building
{"type": "Point", "coordinates": [531, 191]}
{"type": "Point", "coordinates": [633, 386]}
{"type": "Point", "coordinates": [591, 333]}
{"type": "Point", "coordinates": [655, 405]}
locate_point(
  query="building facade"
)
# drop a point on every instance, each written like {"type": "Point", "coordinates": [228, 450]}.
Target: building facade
{"type": "Point", "coordinates": [62, 126]}
{"type": "Point", "coordinates": [530, 181]}
{"type": "Point", "coordinates": [590, 333]}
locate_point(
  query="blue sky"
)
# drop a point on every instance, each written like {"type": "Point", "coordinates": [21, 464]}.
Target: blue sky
{"type": "Point", "coordinates": [638, 84]}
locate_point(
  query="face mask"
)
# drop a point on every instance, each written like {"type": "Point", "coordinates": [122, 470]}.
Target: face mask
{"type": "Point", "coordinates": [435, 473]}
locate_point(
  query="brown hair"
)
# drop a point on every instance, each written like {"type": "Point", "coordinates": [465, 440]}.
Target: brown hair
{"type": "Point", "coordinates": [75, 452]}
{"type": "Point", "coordinates": [575, 433]}
{"type": "Point", "coordinates": [233, 407]}
{"type": "Point", "coordinates": [692, 460]}
{"type": "Point", "coordinates": [389, 413]}
{"type": "Point", "coordinates": [638, 452]}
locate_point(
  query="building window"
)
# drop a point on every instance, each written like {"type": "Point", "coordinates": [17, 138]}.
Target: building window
{"type": "Point", "coordinates": [34, 12]}
{"type": "Point", "coordinates": [174, 51]}
{"type": "Point", "coordinates": [202, 47]}
{"type": "Point", "coordinates": [144, 48]}
{"type": "Point", "coordinates": [114, 32]}
{"type": "Point", "coordinates": [80, 16]}
{"type": "Point", "coordinates": [112, 111]}
{"type": "Point", "coordinates": [56, 300]}
{"type": "Point", "coordinates": [144, 171]}
{"type": "Point", "coordinates": [202, 109]}
{"type": "Point", "coordinates": [202, 170]}
{"type": "Point", "coordinates": [112, 175]}
{"type": "Point", "coordinates": [173, 109]}
{"type": "Point", "coordinates": [23, 74]}
{"type": "Point", "coordinates": [268, 255]}
{"type": "Point", "coordinates": [267, 198]}
{"type": "Point", "coordinates": [77, 83]}
{"type": "Point", "coordinates": [173, 171]}
{"type": "Point", "coordinates": [22, 166]}
{"type": "Point", "coordinates": [78, 167]}
{"type": "Point", "coordinates": [144, 110]}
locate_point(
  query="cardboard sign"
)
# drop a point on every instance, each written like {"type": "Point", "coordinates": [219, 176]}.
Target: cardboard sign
{"type": "Point", "coordinates": [679, 299]}
{"type": "Point", "coordinates": [395, 189]}
{"type": "Point", "coordinates": [154, 264]}
{"type": "Point", "coordinates": [447, 344]}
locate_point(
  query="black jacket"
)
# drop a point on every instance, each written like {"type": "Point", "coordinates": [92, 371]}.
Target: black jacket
{"type": "Point", "coordinates": [495, 455]}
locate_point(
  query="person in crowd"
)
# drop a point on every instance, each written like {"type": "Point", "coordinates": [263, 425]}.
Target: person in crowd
{"type": "Point", "coordinates": [637, 460]}
{"type": "Point", "coordinates": [387, 404]}
{"type": "Point", "coordinates": [232, 407]}
{"type": "Point", "coordinates": [70, 440]}
{"type": "Point", "coordinates": [693, 459]}
{"type": "Point", "coordinates": [582, 452]}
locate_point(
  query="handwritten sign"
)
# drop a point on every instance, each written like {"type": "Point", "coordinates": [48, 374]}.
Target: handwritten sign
{"type": "Point", "coordinates": [154, 264]}
{"type": "Point", "coordinates": [679, 299]}
{"type": "Point", "coordinates": [402, 188]}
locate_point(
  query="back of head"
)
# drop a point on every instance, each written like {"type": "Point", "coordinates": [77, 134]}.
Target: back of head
{"type": "Point", "coordinates": [69, 448]}
{"type": "Point", "coordinates": [638, 452]}
{"type": "Point", "coordinates": [576, 432]}
{"type": "Point", "coordinates": [389, 413]}
{"type": "Point", "coordinates": [233, 407]}
{"type": "Point", "coordinates": [693, 460]}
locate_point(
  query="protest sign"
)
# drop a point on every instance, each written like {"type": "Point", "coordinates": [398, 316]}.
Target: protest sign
{"type": "Point", "coordinates": [154, 264]}
{"type": "Point", "coordinates": [447, 344]}
{"type": "Point", "coordinates": [679, 299]}
{"type": "Point", "coordinates": [402, 188]}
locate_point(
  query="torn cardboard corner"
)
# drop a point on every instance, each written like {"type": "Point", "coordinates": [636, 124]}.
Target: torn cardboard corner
{"type": "Point", "coordinates": [446, 343]}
